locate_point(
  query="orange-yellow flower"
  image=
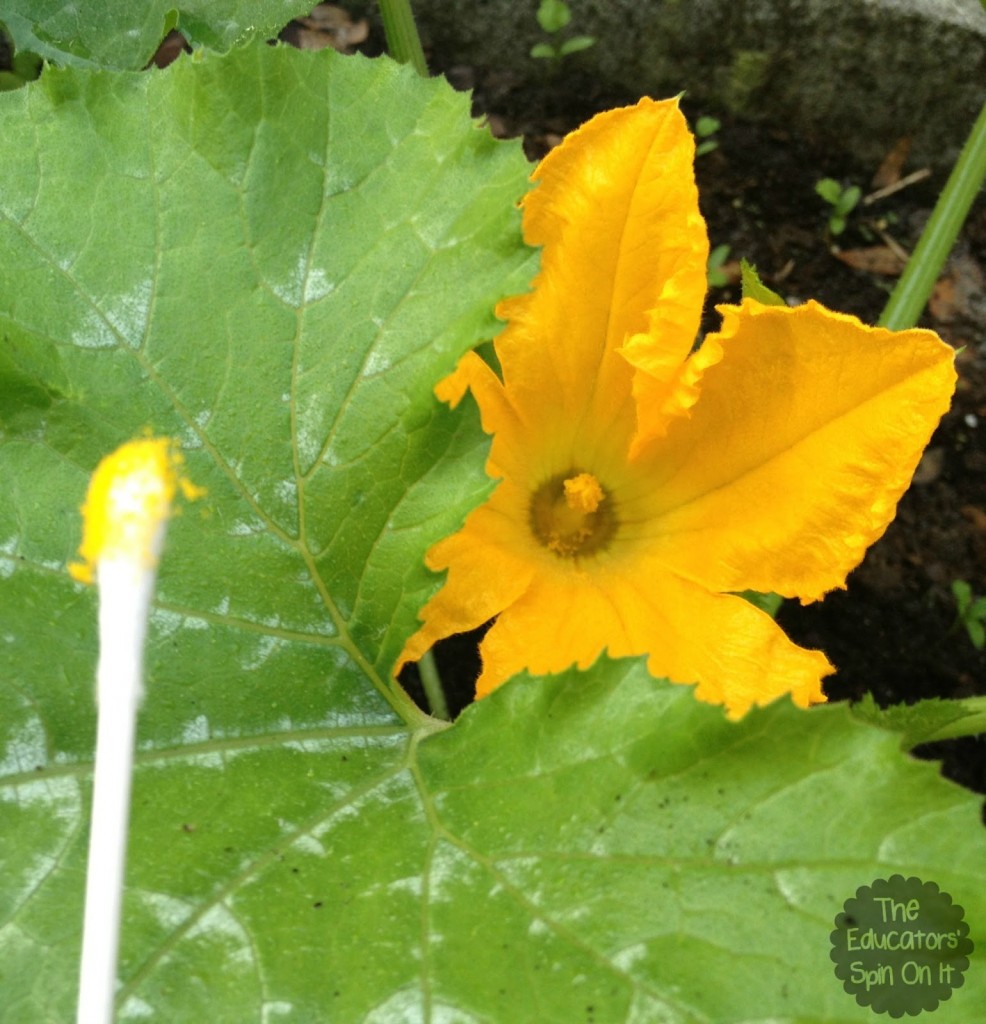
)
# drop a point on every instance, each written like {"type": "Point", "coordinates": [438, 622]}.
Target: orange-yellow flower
{"type": "Point", "coordinates": [643, 484]}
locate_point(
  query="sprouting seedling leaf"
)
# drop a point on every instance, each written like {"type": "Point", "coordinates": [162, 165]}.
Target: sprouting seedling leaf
{"type": "Point", "coordinates": [705, 130]}
{"type": "Point", "coordinates": [842, 200]}
{"type": "Point", "coordinates": [971, 613]}
{"type": "Point", "coordinates": [553, 15]}
{"type": "Point", "coordinates": [576, 44]}
{"type": "Point", "coordinates": [717, 258]}
{"type": "Point", "coordinates": [829, 189]}
{"type": "Point", "coordinates": [544, 51]}
{"type": "Point", "coordinates": [706, 126]}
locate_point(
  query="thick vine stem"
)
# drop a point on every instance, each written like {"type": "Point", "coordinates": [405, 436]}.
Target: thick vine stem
{"type": "Point", "coordinates": [924, 267]}
{"type": "Point", "coordinates": [403, 41]}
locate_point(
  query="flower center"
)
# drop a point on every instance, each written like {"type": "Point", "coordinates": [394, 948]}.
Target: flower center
{"type": "Point", "coordinates": [572, 515]}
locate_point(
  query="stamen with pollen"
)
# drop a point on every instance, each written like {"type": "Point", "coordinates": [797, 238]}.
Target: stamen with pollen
{"type": "Point", "coordinates": [572, 515]}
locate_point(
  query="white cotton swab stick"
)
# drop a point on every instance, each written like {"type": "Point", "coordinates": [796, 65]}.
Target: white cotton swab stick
{"type": "Point", "coordinates": [123, 607]}
{"type": "Point", "coordinates": [124, 519]}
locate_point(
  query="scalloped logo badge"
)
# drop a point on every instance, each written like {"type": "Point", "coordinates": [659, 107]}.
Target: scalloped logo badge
{"type": "Point", "coordinates": [901, 946]}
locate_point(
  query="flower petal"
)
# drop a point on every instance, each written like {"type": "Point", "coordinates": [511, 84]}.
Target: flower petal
{"type": "Point", "coordinates": [496, 411]}
{"type": "Point", "coordinates": [795, 456]}
{"type": "Point", "coordinates": [736, 653]}
{"type": "Point", "coordinates": [490, 563]}
{"type": "Point", "coordinates": [661, 396]}
{"type": "Point", "coordinates": [624, 261]}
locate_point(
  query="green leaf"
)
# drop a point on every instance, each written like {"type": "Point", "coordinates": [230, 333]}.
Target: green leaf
{"type": "Point", "coordinates": [277, 281]}
{"type": "Point", "coordinates": [278, 290]}
{"type": "Point", "coordinates": [539, 858]}
{"type": "Point", "coordinates": [706, 126]}
{"type": "Point", "coordinates": [650, 845]}
{"type": "Point", "coordinates": [829, 189]}
{"type": "Point", "coordinates": [754, 288]}
{"type": "Point", "coordinates": [972, 613]}
{"type": "Point", "coordinates": [848, 200]}
{"type": "Point", "coordinates": [553, 15]}
{"type": "Point", "coordinates": [272, 257]}
{"type": "Point", "coordinates": [769, 603]}
{"type": "Point", "coordinates": [105, 33]}
{"type": "Point", "coordinates": [927, 721]}
{"type": "Point", "coordinates": [717, 258]}
{"type": "Point", "coordinates": [977, 632]}
{"type": "Point", "coordinates": [544, 51]}
{"type": "Point", "coordinates": [962, 592]}
{"type": "Point", "coordinates": [576, 44]}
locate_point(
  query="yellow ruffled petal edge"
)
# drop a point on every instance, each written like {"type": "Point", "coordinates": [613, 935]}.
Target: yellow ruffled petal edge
{"type": "Point", "coordinates": [804, 438]}
{"type": "Point", "coordinates": [736, 654]}
{"type": "Point", "coordinates": [623, 269]}
{"type": "Point", "coordinates": [487, 572]}
{"type": "Point", "coordinates": [660, 399]}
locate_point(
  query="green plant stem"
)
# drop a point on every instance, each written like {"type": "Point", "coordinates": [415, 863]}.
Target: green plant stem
{"type": "Point", "coordinates": [923, 268]}
{"type": "Point", "coordinates": [403, 40]}
{"type": "Point", "coordinates": [432, 684]}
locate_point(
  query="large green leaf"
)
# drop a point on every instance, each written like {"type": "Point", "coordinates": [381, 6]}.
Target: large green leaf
{"type": "Point", "coordinates": [595, 847]}
{"type": "Point", "coordinates": [273, 256]}
{"type": "Point", "coordinates": [107, 33]}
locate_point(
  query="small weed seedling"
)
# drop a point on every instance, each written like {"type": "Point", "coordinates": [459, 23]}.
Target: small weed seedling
{"type": "Point", "coordinates": [717, 259]}
{"type": "Point", "coordinates": [971, 613]}
{"type": "Point", "coordinates": [842, 200]}
{"type": "Point", "coordinates": [705, 131]}
{"type": "Point", "coordinates": [553, 16]}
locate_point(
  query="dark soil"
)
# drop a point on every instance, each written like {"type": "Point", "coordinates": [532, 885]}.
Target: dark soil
{"type": "Point", "coordinates": [893, 632]}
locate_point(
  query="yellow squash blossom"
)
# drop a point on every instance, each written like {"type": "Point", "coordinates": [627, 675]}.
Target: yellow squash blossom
{"type": "Point", "coordinates": [643, 484]}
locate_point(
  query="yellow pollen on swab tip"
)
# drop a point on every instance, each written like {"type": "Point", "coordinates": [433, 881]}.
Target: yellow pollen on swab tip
{"type": "Point", "coordinates": [128, 501]}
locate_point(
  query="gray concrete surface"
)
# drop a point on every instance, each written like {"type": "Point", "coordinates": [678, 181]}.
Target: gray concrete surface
{"type": "Point", "coordinates": [855, 74]}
